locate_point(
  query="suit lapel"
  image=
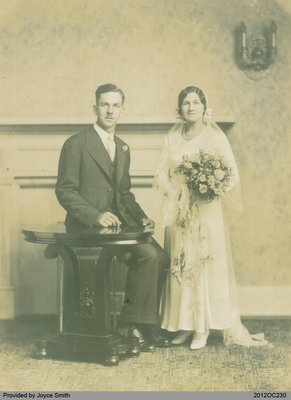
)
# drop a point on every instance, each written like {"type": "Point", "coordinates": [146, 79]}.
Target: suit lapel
{"type": "Point", "coordinates": [120, 159]}
{"type": "Point", "coordinates": [97, 150]}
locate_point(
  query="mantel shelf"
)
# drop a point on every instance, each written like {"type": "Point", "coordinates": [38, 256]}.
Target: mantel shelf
{"type": "Point", "coordinates": [90, 120]}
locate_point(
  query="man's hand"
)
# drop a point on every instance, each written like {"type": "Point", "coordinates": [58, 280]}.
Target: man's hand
{"type": "Point", "coordinates": [147, 223]}
{"type": "Point", "coordinates": [110, 229]}
{"type": "Point", "coordinates": [107, 219]}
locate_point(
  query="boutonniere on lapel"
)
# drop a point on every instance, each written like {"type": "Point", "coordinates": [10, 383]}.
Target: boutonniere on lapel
{"type": "Point", "coordinates": [124, 148]}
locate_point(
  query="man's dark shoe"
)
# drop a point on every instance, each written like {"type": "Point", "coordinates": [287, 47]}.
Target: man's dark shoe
{"type": "Point", "coordinates": [144, 345]}
{"type": "Point", "coordinates": [158, 337]}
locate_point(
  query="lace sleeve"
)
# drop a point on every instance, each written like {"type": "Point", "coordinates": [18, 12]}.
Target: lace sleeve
{"type": "Point", "coordinates": [162, 177]}
{"type": "Point", "coordinates": [166, 193]}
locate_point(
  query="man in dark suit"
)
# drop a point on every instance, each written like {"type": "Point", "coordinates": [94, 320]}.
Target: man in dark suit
{"type": "Point", "coordinates": [94, 188]}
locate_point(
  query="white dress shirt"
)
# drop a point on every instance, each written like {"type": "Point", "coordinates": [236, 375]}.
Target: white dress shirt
{"type": "Point", "coordinates": [107, 140]}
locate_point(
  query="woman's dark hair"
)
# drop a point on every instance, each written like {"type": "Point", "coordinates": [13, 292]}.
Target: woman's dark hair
{"type": "Point", "coordinates": [108, 87]}
{"type": "Point", "coordinates": [183, 94]}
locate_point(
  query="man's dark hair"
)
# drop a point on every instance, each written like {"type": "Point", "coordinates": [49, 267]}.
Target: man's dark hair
{"type": "Point", "coordinates": [108, 87]}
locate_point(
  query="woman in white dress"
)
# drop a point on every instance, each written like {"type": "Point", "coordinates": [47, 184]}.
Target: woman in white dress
{"type": "Point", "coordinates": [200, 291]}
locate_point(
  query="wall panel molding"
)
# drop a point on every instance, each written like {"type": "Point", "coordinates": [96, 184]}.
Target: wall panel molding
{"type": "Point", "coordinates": [9, 234]}
{"type": "Point", "coordinates": [38, 182]}
{"type": "Point", "coordinates": [265, 301]}
{"type": "Point", "coordinates": [66, 123]}
{"type": "Point", "coordinates": [28, 160]}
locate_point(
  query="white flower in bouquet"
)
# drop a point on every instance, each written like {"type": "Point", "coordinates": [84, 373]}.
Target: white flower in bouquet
{"type": "Point", "coordinates": [211, 180]}
{"type": "Point", "coordinates": [216, 163]}
{"type": "Point", "coordinates": [219, 174]}
{"type": "Point", "coordinates": [202, 178]}
{"type": "Point", "coordinates": [202, 188]}
{"type": "Point", "coordinates": [186, 161]}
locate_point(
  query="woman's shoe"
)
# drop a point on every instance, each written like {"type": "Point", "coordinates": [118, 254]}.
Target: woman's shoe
{"type": "Point", "coordinates": [182, 337]}
{"type": "Point", "coordinates": [200, 342]}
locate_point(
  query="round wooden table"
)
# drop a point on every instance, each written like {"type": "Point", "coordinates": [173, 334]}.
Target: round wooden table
{"type": "Point", "coordinates": [84, 259]}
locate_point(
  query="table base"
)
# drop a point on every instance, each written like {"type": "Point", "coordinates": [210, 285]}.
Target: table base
{"type": "Point", "coordinates": [108, 349]}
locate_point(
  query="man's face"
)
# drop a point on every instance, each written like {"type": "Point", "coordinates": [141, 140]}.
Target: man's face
{"type": "Point", "coordinates": [108, 110]}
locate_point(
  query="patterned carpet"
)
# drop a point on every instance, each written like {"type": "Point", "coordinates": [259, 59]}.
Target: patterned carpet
{"type": "Point", "coordinates": [214, 368]}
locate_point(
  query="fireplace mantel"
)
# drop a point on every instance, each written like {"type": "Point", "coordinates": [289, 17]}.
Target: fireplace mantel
{"type": "Point", "coordinates": [88, 120]}
{"type": "Point", "coordinates": [63, 126]}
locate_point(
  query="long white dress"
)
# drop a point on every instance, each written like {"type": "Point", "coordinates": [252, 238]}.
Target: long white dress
{"type": "Point", "coordinates": [200, 291]}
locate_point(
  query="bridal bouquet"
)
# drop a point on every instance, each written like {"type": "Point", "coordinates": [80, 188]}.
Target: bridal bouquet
{"type": "Point", "coordinates": [207, 177]}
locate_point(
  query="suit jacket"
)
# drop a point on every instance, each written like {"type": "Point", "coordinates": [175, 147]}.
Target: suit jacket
{"type": "Point", "coordinates": [85, 185]}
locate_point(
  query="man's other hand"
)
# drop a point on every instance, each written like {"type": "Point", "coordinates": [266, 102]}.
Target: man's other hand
{"type": "Point", "coordinates": [107, 219]}
{"type": "Point", "coordinates": [147, 223]}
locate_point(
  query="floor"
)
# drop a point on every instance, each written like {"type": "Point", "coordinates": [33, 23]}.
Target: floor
{"type": "Point", "coordinates": [214, 368]}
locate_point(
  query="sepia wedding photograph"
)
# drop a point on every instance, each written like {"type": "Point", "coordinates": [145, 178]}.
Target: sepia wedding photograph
{"type": "Point", "coordinates": [145, 197]}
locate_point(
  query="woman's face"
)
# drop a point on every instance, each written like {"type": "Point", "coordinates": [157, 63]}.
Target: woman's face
{"type": "Point", "coordinates": [192, 108]}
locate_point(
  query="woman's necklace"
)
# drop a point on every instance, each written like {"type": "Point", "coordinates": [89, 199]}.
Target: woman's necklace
{"type": "Point", "coordinates": [184, 135]}
{"type": "Point", "coordinates": [188, 138]}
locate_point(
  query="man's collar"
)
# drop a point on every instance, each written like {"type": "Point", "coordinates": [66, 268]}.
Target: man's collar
{"type": "Point", "coordinates": [102, 132]}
